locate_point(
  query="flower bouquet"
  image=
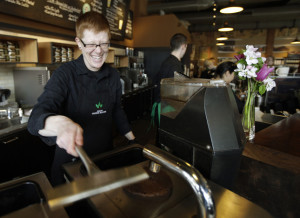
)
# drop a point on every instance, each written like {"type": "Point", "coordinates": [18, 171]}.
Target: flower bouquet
{"type": "Point", "coordinates": [252, 67]}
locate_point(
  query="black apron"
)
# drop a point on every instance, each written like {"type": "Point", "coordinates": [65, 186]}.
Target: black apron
{"type": "Point", "coordinates": [94, 115]}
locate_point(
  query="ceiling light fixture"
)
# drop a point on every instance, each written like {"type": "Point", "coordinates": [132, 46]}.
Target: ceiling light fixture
{"type": "Point", "coordinates": [220, 43]}
{"type": "Point", "coordinates": [225, 28]}
{"type": "Point", "coordinates": [214, 15]}
{"type": "Point", "coordinates": [222, 38]}
{"type": "Point", "coordinates": [296, 41]}
{"type": "Point", "coordinates": [231, 8]}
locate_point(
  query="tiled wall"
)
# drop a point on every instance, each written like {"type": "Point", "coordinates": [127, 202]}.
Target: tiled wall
{"type": "Point", "coordinates": [7, 80]}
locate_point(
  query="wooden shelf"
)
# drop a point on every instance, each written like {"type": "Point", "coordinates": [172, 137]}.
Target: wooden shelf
{"type": "Point", "coordinates": [28, 49]}
{"type": "Point", "coordinates": [47, 53]}
{"type": "Point", "coordinates": [124, 61]}
{"type": "Point", "coordinates": [110, 57]}
{"type": "Point", "coordinates": [117, 58]}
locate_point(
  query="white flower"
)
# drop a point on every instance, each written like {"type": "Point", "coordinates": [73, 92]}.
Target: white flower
{"type": "Point", "coordinates": [258, 54]}
{"type": "Point", "coordinates": [246, 71]}
{"type": "Point", "coordinates": [251, 60]}
{"type": "Point", "coordinates": [270, 84]}
{"type": "Point", "coordinates": [242, 74]}
{"type": "Point", "coordinates": [250, 65]}
{"type": "Point", "coordinates": [241, 69]}
{"type": "Point", "coordinates": [250, 48]}
{"type": "Point", "coordinates": [251, 71]}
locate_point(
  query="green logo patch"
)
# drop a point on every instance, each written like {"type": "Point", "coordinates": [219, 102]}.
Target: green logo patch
{"type": "Point", "coordinates": [99, 105]}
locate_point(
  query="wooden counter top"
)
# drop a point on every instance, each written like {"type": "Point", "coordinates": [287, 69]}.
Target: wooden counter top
{"type": "Point", "coordinates": [283, 136]}
{"type": "Point", "coordinates": [278, 144]}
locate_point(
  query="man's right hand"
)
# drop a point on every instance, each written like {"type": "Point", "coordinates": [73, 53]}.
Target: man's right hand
{"type": "Point", "coordinates": [69, 134]}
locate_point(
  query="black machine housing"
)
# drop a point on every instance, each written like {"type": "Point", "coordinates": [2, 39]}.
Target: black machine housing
{"type": "Point", "coordinates": [203, 128]}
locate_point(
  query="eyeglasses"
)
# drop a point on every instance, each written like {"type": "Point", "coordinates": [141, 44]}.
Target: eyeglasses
{"type": "Point", "coordinates": [91, 47]}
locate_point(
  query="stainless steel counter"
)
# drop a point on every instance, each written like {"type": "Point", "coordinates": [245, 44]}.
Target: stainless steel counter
{"type": "Point", "coordinates": [181, 202]}
{"type": "Point", "coordinates": [10, 126]}
{"type": "Point", "coordinates": [37, 210]}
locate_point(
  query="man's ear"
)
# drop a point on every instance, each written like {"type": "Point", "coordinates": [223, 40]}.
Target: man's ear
{"type": "Point", "coordinates": [78, 42]}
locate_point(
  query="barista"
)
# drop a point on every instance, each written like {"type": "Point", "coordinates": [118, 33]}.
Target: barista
{"type": "Point", "coordinates": [172, 64]}
{"type": "Point", "coordinates": [225, 72]}
{"type": "Point", "coordinates": [170, 67]}
{"type": "Point", "coordinates": [82, 99]}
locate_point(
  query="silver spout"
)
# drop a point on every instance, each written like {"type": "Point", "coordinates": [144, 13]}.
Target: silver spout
{"type": "Point", "coordinates": [197, 182]}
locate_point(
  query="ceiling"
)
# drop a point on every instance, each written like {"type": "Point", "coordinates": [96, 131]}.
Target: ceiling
{"type": "Point", "coordinates": [257, 14]}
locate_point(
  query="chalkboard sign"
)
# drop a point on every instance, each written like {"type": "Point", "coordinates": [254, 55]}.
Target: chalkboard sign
{"type": "Point", "coordinates": [129, 28]}
{"type": "Point", "coordinates": [64, 13]}
{"type": "Point", "coordinates": [116, 14]}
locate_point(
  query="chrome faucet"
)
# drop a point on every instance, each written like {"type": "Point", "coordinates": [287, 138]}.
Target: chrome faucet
{"type": "Point", "coordinates": [161, 158]}
{"type": "Point", "coordinates": [206, 206]}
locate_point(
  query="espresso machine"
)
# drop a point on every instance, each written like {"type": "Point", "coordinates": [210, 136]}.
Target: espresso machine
{"type": "Point", "coordinates": [200, 124]}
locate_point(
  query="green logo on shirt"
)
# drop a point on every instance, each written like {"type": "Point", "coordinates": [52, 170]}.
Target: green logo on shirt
{"type": "Point", "coordinates": [99, 105]}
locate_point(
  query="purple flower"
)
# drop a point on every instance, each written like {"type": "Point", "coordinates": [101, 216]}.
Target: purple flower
{"type": "Point", "coordinates": [264, 72]}
{"type": "Point", "coordinates": [240, 56]}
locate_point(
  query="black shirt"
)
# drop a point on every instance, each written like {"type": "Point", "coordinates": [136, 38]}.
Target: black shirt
{"type": "Point", "coordinates": [167, 69]}
{"type": "Point", "coordinates": [91, 99]}
{"type": "Point", "coordinates": [169, 66]}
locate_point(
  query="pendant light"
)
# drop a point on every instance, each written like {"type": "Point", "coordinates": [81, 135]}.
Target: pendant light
{"type": "Point", "coordinates": [222, 38]}
{"type": "Point", "coordinates": [225, 28]}
{"type": "Point", "coordinates": [220, 43]}
{"type": "Point", "coordinates": [296, 41]}
{"type": "Point", "coordinates": [231, 8]}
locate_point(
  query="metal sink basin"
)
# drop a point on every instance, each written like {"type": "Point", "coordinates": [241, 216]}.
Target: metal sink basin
{"type": "Point", "coordinates": [19, 196]}
{"type": "Point", "coordinates": [8, 126]}
{"type": "Point", "coordinates": [116, 160]}
{"type": "Point", "coordinates": [25, 197]}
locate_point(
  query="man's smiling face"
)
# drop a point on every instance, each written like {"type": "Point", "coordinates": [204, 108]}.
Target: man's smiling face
{"type": "Point", "coordinates": [93, 58]}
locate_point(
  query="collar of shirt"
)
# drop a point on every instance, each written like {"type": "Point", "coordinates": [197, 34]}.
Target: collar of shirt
{"type": "Point", "coordinates": [81, 69]}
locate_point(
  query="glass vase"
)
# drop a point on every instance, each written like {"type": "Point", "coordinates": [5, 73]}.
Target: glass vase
{"type": "Point", "coordinates": [248, 117]}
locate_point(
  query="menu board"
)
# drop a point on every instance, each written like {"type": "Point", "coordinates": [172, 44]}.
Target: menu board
{"type": "Point", "coordinates": [64, 13]}
{"type": "Point", "coordinates": [129, 29]}
{"type": "Point", "coordinates": [116, 14]}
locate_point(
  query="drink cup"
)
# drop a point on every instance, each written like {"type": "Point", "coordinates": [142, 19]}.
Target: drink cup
{"type": "Point", "coordinates": [282, 71]}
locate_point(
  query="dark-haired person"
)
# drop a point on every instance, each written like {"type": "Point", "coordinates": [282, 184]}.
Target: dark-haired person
{"type": "Point", "coordinates": [172, 64]}
{"type": "Point", "coordinates": [82, 99]}
{"type": "Point", "coordinates": [170, 67]}
{"type": "Point", "coordinates": [225, 72]}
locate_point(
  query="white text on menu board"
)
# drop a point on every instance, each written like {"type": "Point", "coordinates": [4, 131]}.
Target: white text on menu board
{"type": "Point", "coordinates": [114, 15]}
{"type": "Point", "coordinates": [23, 3]}
{"type": "Point", "coordinates": [97, 6]}
{"type": "Point", "coordinates": [65, 7]}
{"type": "Point", "coordinates": [51, 10]}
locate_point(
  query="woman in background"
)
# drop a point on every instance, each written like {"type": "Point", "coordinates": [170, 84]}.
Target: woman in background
{"type": "Point", "coordinates": [225, 72]}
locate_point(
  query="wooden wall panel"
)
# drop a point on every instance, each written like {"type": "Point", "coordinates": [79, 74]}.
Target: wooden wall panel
{"type": "Point", "coordinates": [156, 31]}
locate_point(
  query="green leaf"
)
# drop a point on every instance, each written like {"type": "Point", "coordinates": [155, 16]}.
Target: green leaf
{"type": "Point", "coordinates": [262, 89]}
{"type": "Point", "coordinates": [241, 51]}
{"type": "Point", "coordinates": [260, 61]}
{"type": "Point", "coordinates": [242, 61]}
